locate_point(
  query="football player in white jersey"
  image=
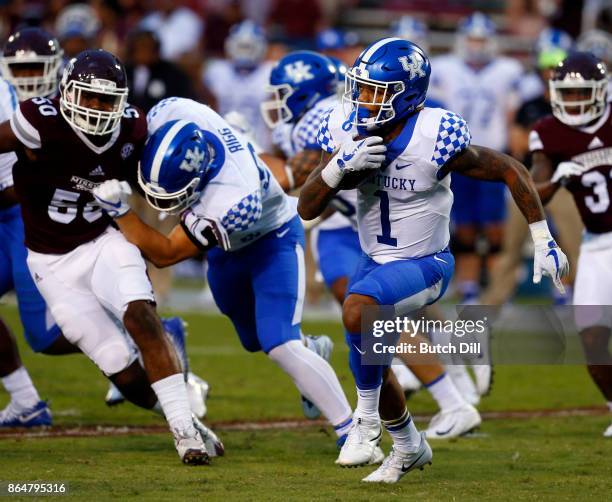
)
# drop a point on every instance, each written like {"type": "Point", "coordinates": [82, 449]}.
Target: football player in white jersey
{"type": "Point", "coordinates": [334, 239]}
{"type": "Point", "coordinates": [400, 163]}
{"type": "Point", "coordinates": [463, 82]}
{"type": "Point", "coordinates": [239, 81]}
{"type": "Point", "coordinates": [232, 207]}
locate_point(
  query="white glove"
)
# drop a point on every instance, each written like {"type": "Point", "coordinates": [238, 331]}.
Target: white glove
{"type": "Point", "coordinates": [354, 155]}
{"type": "Point", "coordinates": [548, 259]}
{"type": "Point", "coordinates": [565, 170]}
{"type": "Point", "coordinates": [112, 196]}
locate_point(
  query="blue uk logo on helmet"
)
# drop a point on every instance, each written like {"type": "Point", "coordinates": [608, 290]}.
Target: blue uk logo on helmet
{"type": "Point", "coordinates": [174, 162]}
{"type": "Point", "coordinates": [387, 83]}
{"type": "Point", "coordinates": [297, 82]}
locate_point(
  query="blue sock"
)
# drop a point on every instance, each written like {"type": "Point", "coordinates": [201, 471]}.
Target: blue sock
{"type": "Point", "coordinates": [366, 376]}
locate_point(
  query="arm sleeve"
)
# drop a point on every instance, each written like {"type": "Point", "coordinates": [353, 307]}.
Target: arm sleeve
{"type": "Point", "coordinates": [23, 125]}
{"type": "Point", "coordinates": [452, 138]}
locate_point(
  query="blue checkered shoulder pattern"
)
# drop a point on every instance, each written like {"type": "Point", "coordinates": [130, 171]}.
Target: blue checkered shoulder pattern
{"type": "Point", "coordinates": [453, 137]}
{"type": "Point", "coordinates": [324, 138]}
{"type": "Point", "coordinates": [308, 128]}
{"type": "Point", "coordinates": [243, 214]}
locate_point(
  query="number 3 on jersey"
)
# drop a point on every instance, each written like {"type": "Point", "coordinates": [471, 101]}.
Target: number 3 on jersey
{"type": "Point", "coordinates": [385, 224]}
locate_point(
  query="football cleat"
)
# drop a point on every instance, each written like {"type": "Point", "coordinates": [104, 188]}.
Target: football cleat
{"type": "Point", "coordinates": [397, 464]}
{"type": "Point", "coordinates": [213, 444]}
{"type": "Point", "coordinates": [176, 329]}
{"type": "Point", "coordinates": [608, 432]}
{"type": "Point", "coordinates": [113, 396]}
{"type": "Point", "coordinates": [197, 392]}
{"type": "Point", "coordinates": [38, 415]}
{"type": "Point", "coordinates": [190, 446]}
{"type": "Point", "coordinates": [360, 447]}
{"type": "Point", "coordinates": [323, 346]}
{"type": "Point", "coordinates": [463, 382]}
{"type": "Point", "coordinates": [453, 423]}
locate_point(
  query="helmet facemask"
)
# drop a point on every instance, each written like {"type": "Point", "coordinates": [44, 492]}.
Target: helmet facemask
{"type": "Point", "coordinates": [377, 109]}
{"type": "Point", "coordinates": [171, 203]}
{"type": "Point", "coordinates": [75, 106]}
{"type": "Point", "coordinates": [577, 102]}
{"type": "Point", "coordinates": [43, 78]}
{"type": "Point", "coordinates": [275, 110]}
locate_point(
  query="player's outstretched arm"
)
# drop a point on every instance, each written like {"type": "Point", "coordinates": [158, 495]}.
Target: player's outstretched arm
{"type": "Point", "coordinates": [489, 165]}
{"type": "Point", "coordinates": [486, 164]}
{"type": "Point", "coordinates": [160, 250]}
{"type": "Point", "coordinates": [8, 140]}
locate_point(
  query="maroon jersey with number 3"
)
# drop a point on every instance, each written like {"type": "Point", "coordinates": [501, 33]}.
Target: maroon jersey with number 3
{"type": "Point", "coordinates": [590, 146]}
{"type": "Point", "coordinates": [58, 168]}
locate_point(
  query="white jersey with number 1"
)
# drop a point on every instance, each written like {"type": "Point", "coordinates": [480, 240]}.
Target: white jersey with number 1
{"type": "Point", "coordinates": [403, 209]}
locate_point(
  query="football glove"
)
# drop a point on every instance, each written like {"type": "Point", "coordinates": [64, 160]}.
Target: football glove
{"type": "Point", "coordinates": [565, 170]}
{"type": "Point", "coordinates": [548, 259]}
{"type": "Point", "coordinates": [354, 155]}
{"type": "Point", "coordinates": [112, 196]}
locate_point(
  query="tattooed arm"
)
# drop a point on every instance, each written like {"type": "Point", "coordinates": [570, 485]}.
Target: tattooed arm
{"type": "Point", "coordinates": [486, 164]}
{"type": "Point", "coordinates": [292, 174]}
{"type": "Point", "coordinates": [316, 194]}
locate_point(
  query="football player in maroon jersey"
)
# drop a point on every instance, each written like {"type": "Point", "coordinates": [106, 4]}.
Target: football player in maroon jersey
{"type": "Point", "coordinates": [573, 148]}
{"type": "Point", "coordinates": [87, 272]}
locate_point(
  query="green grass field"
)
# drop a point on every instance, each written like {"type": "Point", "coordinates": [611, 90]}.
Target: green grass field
{"type": "Point", "coordinates": [562, 458]}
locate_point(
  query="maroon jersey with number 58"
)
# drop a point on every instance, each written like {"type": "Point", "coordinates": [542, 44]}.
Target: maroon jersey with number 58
{"type": "Point", "coordinates": [58, 168]}
{"type": "Point", "coordinates": [590, 146]}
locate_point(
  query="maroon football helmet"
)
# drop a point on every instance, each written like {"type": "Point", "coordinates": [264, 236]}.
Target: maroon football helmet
{"type": "Point", "coordinates": [31, 61]}
{"type": "Point", "coordinates": [579, 89]}
{"type": "Point", "coordinates": [93, 92]}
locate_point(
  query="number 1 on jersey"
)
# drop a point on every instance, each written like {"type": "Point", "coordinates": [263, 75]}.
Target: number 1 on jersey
{"type": "Point", "coordinates": [385, 224]}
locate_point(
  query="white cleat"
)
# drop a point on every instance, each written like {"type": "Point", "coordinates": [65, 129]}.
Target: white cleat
{"type": "Point", "coordinates": [453, 423]}
{"type": "Point", "coordinates": [361, 445]}
{"type": "Point", "coordinates": [463, 382]}
{"type": "Point", "coordinates": [608, 432]}
{"type": "Point", "coordinates": [113, 396]}
{"type": "Point", "coordinates": [190, 446]}
{"type": "Point", "coordinates": [213, 444]}
{"type": "Point", "coordinates": [197, 392]}
{"type": "Point", "coordinates": [397, 464]}
{"type": "Point", "coordinates": [483, 377]}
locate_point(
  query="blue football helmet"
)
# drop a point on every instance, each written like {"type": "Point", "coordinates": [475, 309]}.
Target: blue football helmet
{"type": "Point", "coordinates": [173, 164]}
{"type": "Point", "coordinates": [246, 44]}
{"type": "Point", "coordinates": [333, 39]}
{"type": "Point", "coordinates": [388, 82]}
{"type": "Point", "coordinates": [552, 38]}
{"type": "Point", "coordinates": [297, 82]}
{"type": "Point", "coordinates": [476, 39]}
{"type": "Point", "coordinates": [413, 30]}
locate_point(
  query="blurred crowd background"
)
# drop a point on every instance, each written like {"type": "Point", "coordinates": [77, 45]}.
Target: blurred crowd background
{"type": "Point", "coordinates": [180, 48]}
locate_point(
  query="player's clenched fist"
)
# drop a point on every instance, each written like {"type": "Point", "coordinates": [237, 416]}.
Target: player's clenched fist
{"type": "Point", "coordinates": [112, 196]}
{"type": "Point", "coordinates": [354, 155]}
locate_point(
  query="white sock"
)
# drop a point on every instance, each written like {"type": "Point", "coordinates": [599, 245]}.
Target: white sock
{"type": "Point", "coordinates": [315, 379]}
{"type": "Point", "coordinates": [408, 382]}
{"type": "Point", "coordinates": [406, 437]}
{"type": "Point", "coordinates": [367, 403]}
{"type": "Point", "coordinates": [610, 406]}
{"type": "Point", "coordinates": [19, 385]}
{"type": "Point", "coordinates": [445, 393]}
{"type": "Point", "coordinates": [172, 395]}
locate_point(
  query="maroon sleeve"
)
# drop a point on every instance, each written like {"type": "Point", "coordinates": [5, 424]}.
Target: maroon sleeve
{"type": "Point", "coordinates": [135, 123]}
{"type": "Point", "coordinates": [35, 122]}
